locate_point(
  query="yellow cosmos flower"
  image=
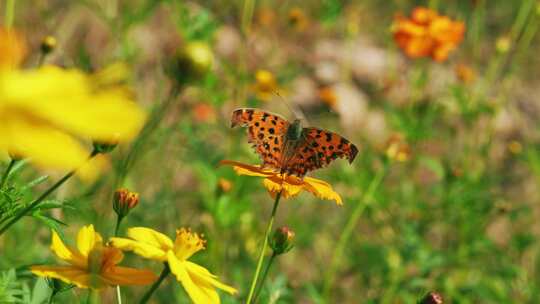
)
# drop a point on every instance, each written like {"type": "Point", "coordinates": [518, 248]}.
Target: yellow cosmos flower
{"type": "Point", "coordinates": [92, 265]}
{"type": "Point", "coordinates": [198, 282]}
{"type": "Point", "coordinates": [288, 185]}
{"type": "Point", "coordinates": [45, 113]}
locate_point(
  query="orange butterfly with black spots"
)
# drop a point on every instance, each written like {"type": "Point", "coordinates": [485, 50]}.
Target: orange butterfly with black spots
{"type": "Point", "coordinates": [287, 146]}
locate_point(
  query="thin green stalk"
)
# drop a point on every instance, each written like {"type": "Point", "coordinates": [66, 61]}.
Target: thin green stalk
{"type": "Point", "coordinates": [164, 273]}
{"type": "Point", "coordinates": [348, 230]}
{"type": "Point", "coordinates": [118, 291]}
{"type": "Point", "coordinates": [6, 173]}
{"type": "Point", "coordinates": [247, 15]}
{"type": "Point", "coordinates": [51, 297]}
{"type": "Point", "coordinates": [118, 295]}
{"type": "Point", "coordinates": [263, 278]}
{"type": "Point", "coordinates": [40, 199]}
{"type": "Point", "coordinates": [263, 249]}
{"type": "Point", "coordinates": [10, 13]}
{"type": "Point", "coordinates": [118, 222]}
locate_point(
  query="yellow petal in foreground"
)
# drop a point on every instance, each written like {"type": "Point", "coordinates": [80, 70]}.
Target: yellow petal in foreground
{"type": "Point", "coordinates": [93, 265]}
{"type": "Point", "coordinates": [48, 113]}
{"type": "Point", "coordinates": [288, 185]}
{"type": "Point", "coordinates": [198, 282]}
{"type": "Point", "coordinates": [73, 103]}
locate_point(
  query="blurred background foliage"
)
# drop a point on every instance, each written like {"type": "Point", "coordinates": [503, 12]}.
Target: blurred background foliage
{"type": "Point", "coordinates": [457, 207]}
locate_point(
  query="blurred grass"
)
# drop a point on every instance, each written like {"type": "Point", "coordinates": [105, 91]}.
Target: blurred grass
{"type": "Point", "coordinates": [460, 217]}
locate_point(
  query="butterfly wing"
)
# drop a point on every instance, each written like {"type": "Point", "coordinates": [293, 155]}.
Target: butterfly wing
{"type": "Point", "coordinates": [266, 131]}
{"type": "Point", "coordinates": [318, 149]}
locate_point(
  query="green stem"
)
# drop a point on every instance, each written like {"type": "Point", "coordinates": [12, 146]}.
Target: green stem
{"type": "Point", "coordinates": [247, 15]}
{"type": "Point", "coordinates": [51, 297]}
{"type": "Point", "coordinates": [263, 278]}
{"type": "Point", "coordinates": [118, 295]}
{"type": "Point", "coordinates": [6, 173]}
{"type": "Point", "coordinates": [40, 199]}
{"type": "Point", "coordinates": [118, 222]}
{"type": "Point", "coordinates": [10, 13]}
{"type": "Point", "coordinates": [348, 230]}
{"type": "Point", "coordinates": [118, 291]}
{"type": "Point", "coordinates": [164, 273]}
{"type": "Point", "coordinates": [263, 249]}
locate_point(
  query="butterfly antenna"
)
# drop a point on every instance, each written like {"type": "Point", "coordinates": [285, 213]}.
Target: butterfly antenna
{"type": "Point", "coordinates": [295, 110]}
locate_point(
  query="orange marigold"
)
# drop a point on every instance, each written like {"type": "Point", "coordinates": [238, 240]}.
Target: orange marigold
{"type": "Point", "coordinates": [427, 34]}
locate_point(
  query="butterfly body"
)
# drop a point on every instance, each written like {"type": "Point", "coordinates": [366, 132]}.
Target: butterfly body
{"type": "Point", "coordinates": [287, 146]}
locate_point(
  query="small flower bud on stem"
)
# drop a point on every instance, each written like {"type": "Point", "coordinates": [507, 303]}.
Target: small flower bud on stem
{"type": "Point", "coordinates": [123, 201]}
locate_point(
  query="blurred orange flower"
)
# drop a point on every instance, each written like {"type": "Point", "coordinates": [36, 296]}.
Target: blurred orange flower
{"type": "Point", "coordinates": [298, 19]}
{"type": "Point", "coordinates": [204, 113]}
{"type": "Point", "coordinates": [328, 96]}
{"type": "Point", "coordinates": [288, 185]}
{"type": "Point", "coordinates": [12, 48]}
{"type": "Point", "coordinates": [427, 34]}
{"type": "Point", "coordinates": [465, 73]}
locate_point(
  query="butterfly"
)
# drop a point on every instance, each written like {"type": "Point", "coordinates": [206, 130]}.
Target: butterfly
{"type": "Point", "coordinates": [288, 147]}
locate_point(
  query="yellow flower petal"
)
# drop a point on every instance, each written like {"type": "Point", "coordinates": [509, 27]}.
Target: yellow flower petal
{"type": "Point", "coordinates": [65, 253]}
{"type": "Point", "coordinates": [322, 190]}
{"type": "Point", "coordinates": [245, 169]}
{"type": "Point", "coordinates": [68, 274]}
{"type": "Point", "coordinates": [87, 238]}
{"type": "Point", "coordinates": [145, 250]}
{"type": "Point", "coordinates": [128, 276]}
{"type": "Point", "coordinates": [288, 190]}
{"type": "Point", "coordinates": [111, 257]}
{"type": "Point", "coordinates": [201, 274]}
{"type": "Point", "coordinates": [197, 294]}
{"type": "Point", "coordinates": [46, 146]}
{"type": "Point", "coordinates": [151, 237]}
{"type": "Point", "coordinates": [73, 104]}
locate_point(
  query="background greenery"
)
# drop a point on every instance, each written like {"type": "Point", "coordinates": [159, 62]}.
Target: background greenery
{"type": "Point", "coordinates": [459, 217]}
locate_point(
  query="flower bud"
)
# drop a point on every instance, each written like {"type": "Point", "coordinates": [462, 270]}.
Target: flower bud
{"type": "Point", "coordinates": [48, 45]}
{"type": "Point", "coordinates": [281, 241]}
{"type": "Point", "coordinates": [103, 148]}
{"type": "Point", "coordinates": [225, 185]}
{"type": "Point", "coordinates": [431, 298]}
{"type": "Point", "coordinates": [124, 200]}
{"type": "Point", "coordinates": [191, 62]}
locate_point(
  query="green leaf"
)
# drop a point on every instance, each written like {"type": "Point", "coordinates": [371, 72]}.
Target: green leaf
{"type": "Point", "coordinates": [34, 182]}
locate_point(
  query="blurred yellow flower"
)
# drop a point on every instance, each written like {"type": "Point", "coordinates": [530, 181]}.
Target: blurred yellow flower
{"type": "Point", "coordinates": [46, 112]}
{"type": "Point", "coordinates": [265, 84]}
{"type": "Point", "coordinates": [427, 34]}
{"type": "Point", "coordinates": [288, 185]}
{"type": "Point", "coordinates": [92, 265]}
{"type": "Point", "coordinates": [198, 282]}
{"type": "Point", "coordinates": [12, 48]}
{"type": "Point", "coordinates": [397, 148]}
